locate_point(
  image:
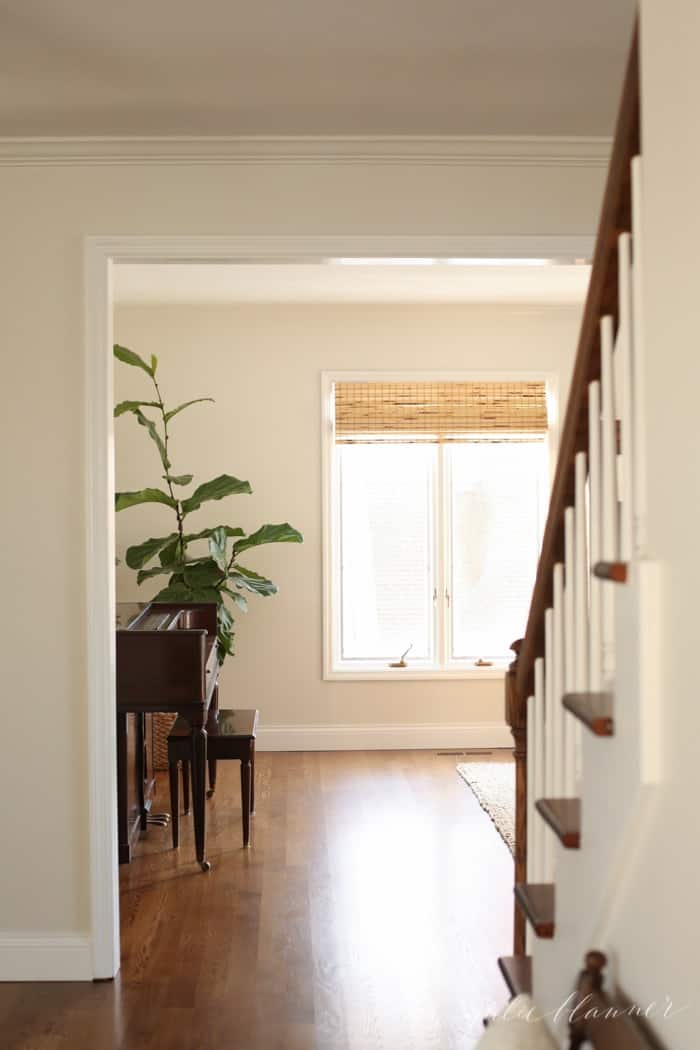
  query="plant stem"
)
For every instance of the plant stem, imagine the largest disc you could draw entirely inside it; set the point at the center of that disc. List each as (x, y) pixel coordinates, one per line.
(178, 511)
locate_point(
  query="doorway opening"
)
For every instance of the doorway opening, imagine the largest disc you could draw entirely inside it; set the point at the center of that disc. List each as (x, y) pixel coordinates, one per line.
(226, 263)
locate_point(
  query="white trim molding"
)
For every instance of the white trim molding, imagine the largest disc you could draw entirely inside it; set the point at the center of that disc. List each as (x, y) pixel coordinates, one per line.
(460, 150)
(100, 607)
(384, 737)
(100, 255)
(45, 957)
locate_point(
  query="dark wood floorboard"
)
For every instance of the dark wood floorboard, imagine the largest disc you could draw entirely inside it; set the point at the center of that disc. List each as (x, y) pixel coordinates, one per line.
(367, 915)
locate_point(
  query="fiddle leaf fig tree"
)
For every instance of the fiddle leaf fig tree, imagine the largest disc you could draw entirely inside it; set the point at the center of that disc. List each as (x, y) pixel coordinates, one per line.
(212, 572)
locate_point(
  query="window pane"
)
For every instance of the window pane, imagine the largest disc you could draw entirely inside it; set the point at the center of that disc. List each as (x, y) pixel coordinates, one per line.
(386, 546)
(495, 499)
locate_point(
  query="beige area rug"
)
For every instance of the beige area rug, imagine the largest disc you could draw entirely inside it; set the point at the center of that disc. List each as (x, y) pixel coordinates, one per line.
(493, 783)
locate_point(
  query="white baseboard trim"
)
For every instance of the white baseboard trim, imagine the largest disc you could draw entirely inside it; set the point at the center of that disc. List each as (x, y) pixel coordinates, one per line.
(48, 957)
(383, 737)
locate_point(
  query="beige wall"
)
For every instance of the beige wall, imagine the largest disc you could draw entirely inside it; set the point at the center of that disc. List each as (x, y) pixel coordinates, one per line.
(47, 211)
(263, 364)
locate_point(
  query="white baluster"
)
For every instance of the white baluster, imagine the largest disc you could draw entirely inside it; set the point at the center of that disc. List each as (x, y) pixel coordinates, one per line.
(582, 573)
(569, 585)
(595, 636)
(558, 662)
(570, 762)
(623, 352)
(533, 820)
(544, 856)
(550, 749)
(639, 393)
(609, 545)
(581, 616)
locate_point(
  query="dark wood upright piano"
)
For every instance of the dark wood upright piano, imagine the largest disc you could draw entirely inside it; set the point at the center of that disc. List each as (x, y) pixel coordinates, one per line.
(166, 661)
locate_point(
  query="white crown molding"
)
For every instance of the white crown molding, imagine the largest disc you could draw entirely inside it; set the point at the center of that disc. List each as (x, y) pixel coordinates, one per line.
(44, 957)
(466, 151)
(383, 737)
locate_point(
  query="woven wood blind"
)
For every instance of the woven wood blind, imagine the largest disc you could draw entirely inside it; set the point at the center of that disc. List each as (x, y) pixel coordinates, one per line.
(366, 413)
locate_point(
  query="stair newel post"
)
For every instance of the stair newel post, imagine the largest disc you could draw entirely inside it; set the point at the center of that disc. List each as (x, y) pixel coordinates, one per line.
(516, 716)
(588, 989)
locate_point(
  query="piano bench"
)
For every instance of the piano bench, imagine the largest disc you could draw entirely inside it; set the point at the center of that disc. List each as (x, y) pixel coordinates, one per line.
(230, 735)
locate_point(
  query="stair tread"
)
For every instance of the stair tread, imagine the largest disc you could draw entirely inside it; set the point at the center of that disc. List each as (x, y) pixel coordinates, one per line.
(564, 817)
(536, 901)
(611, 570)
(593, 709)
(517, 973)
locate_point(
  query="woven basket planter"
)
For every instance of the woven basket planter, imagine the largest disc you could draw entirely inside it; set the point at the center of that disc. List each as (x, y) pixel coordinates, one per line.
(163, 722)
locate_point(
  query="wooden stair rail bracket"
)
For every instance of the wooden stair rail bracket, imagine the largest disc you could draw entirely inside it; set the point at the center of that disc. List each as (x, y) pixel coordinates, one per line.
(516, 716)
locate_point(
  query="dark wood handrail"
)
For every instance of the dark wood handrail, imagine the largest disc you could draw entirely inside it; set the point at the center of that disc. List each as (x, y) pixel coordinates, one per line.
(601, 301)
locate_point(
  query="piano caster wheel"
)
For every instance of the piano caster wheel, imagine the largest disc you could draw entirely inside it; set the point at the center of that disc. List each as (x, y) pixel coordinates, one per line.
(205, 865)
(210, 793)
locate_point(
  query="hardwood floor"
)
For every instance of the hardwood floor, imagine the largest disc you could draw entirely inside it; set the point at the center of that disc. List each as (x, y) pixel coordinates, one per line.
(367, 915)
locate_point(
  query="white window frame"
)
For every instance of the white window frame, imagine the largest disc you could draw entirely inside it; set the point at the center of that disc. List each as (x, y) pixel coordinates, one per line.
(371, 671)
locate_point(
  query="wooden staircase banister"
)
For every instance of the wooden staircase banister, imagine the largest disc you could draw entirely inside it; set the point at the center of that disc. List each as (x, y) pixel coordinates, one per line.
(601, 301)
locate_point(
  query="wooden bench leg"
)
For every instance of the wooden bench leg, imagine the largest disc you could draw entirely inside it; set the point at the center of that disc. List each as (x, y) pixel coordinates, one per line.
(252, 778)
(174, 803)
(245, 798)
(185, 786)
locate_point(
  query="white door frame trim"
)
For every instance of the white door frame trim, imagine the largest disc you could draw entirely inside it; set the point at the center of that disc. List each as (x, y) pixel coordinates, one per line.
(100, 253)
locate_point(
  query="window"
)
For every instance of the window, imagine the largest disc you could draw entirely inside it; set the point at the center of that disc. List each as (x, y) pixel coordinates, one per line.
(435, 513)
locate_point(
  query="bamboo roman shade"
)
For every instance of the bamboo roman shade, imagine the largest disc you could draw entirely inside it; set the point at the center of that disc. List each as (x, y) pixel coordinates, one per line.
(438, 412)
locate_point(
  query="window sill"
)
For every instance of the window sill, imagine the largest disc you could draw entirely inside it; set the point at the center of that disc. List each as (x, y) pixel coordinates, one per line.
(414, 674)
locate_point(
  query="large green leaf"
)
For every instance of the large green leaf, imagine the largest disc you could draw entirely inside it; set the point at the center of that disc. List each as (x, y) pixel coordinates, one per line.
(178, 479)
(202, 573)
(153, 431)
(205, 594)
(217, 547)
(170, 553)
(158, 570)
(131, 358)
(123, 500)
(178, 591)
(186, 570)
(284, 533)
(174, 411)
(225, 644)
(251, 581)
(205, 533)
(217, 488)
(132, 406)
(139, 554)
(239, 599)
(194, 573)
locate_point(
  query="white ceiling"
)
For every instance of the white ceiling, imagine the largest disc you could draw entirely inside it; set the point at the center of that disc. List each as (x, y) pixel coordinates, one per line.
(312, 67)
(559, 285)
